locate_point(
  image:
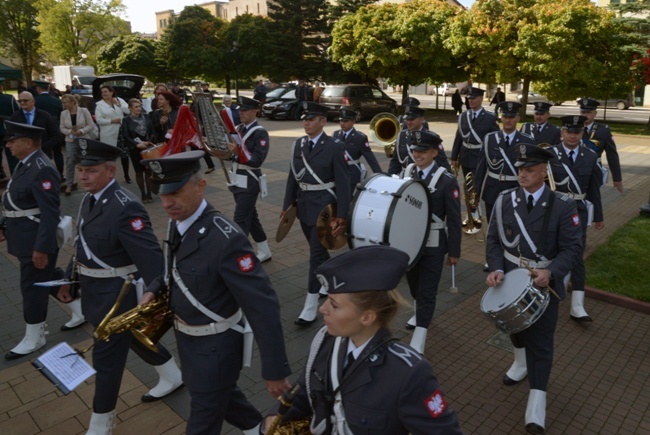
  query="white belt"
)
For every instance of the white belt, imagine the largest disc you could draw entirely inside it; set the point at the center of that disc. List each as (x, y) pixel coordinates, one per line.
(209, 329)
(472, 146)
(576, 196)
(324, 186)
(240, 166)
(21, 213)
(353, 162)
(503, 177)
(113, 272)
(521, 262)
(437, 226)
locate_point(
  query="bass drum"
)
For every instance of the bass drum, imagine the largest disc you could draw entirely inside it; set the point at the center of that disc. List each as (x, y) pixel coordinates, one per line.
(391, 211)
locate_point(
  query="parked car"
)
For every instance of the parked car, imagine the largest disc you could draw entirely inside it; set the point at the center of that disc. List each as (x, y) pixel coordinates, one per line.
(366, 100)
(446, 89)
(534, 97)
(281, 108)
(615, 103)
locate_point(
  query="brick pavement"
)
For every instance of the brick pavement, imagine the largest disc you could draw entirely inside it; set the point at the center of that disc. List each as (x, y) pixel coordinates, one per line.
(598, 384)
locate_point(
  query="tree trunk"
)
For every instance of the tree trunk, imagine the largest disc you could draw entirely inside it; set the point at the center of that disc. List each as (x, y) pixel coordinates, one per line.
(524, 98)
(227, 84)
(405, 92)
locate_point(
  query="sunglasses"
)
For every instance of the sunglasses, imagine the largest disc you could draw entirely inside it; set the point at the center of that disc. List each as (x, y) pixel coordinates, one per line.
(23, 101)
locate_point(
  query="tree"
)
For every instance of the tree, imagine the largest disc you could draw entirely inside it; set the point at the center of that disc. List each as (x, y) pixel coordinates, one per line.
(18, 33)
(70, 28)
(403, 43)
(189, 47)
(132, 54)
(299, 38)
(341, 8)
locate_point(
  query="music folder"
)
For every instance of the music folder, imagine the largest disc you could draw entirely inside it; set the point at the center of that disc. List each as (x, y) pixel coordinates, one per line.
(65, 367)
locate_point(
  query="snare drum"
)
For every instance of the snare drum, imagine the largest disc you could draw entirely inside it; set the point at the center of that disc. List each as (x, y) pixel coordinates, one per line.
(153, 152)
(391, 211)
(516, 304)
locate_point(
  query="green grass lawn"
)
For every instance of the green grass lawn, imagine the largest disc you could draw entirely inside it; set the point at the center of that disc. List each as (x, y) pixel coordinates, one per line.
(621, 264)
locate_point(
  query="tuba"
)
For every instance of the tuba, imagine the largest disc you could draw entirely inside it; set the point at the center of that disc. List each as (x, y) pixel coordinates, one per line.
(384, 129)
(148, 323)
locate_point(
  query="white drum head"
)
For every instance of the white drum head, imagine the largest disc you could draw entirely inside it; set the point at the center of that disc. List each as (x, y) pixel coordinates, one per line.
(513, 286)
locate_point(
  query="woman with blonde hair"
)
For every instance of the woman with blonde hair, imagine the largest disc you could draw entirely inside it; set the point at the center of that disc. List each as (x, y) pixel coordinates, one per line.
(76, 121)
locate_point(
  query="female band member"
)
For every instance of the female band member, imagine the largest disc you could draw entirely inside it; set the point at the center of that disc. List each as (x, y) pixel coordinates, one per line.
(358, 379)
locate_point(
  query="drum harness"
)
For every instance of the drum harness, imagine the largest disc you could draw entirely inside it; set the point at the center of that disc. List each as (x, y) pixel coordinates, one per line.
(472, 132)
(499, 165)
(306, 186)
(575, 196)
(437, 224)
(249, 169)
(520, 261)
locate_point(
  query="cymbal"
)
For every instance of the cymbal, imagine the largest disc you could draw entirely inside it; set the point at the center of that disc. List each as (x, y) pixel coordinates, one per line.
(286, 223)
(324, 230)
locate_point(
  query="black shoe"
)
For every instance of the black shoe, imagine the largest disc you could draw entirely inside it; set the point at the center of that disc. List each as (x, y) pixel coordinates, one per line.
(70, 328)
(209, 171)
(303, 322)
(510, 382)
(410, 327)
(148, 398)
(9, 356)
(128, 181)
(583, 319)
(534, 428)
(486, 268)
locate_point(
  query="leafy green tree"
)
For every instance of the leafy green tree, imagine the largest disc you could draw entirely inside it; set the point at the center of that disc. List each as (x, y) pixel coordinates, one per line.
(131, 54)
(341, 8)
(18, 33)
(70, 28)
(299, 39)
(189, 47)
(403, 43)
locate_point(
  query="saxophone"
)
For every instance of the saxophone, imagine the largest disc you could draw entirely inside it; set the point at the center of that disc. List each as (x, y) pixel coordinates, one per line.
(148, 323)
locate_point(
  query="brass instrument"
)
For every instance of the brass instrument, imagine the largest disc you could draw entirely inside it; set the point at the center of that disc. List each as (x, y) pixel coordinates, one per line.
(148, 323)
(295, 427)
(549, 171)
(217, 135)
(471, 225)
(384, 130)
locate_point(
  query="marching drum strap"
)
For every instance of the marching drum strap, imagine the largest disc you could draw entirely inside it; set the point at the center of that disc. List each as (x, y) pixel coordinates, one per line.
(471, 131)
(311, 358)
(434, 179)
(522, 262)
(522, 227)
(351, 161)
(502, 234)
(340, 426)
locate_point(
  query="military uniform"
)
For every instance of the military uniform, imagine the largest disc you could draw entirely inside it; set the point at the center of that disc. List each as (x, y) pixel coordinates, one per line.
(8, 106)
(31, 215)
(553, 225)
(542, 134)
(328, 182)
(214, 274)
(599, 132)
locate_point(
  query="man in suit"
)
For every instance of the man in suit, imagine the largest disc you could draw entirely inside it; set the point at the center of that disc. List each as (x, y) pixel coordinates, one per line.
(247, 180)
(424, 277)
(215, 280)
(319, 176)
(8, 106)
(534, 227)
(473, 126)
(52, 105)
(576, 173)
(302, 95)
(495, 171)
(356, 145)
(499, 97)
(30, 114)
(600, 133)
(30, 219)
(541, 129)
(115, 239)
(403, 156)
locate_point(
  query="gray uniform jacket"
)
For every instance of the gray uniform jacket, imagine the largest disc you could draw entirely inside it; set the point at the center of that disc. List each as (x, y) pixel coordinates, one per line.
(561, 242)
(117, 231)
(356, 144)
(586, 172)
(258, 147)
(488, 186)
(33, 185)
(401, 157)
(550, 133)
(218, 265)
(389, 389)
(485, 123)
(604, 135)
(327, 160)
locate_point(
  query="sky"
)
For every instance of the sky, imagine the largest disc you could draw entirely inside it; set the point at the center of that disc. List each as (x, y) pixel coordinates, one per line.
(142, 15)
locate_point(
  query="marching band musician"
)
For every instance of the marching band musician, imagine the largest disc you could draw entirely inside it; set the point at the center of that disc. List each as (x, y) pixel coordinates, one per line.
(413, 102)
(356, 145)
(534, 227)
(319, 177)
(495, 171)
(541, 129)
(214, 279)
(414, 119)
(598, 132)
(576, 173)
(358, 379)
(29, 220)
(114, 239)
(249, 182)
(444, 233)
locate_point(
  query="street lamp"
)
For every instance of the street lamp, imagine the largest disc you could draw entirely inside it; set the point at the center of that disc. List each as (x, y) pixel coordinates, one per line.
(84, 56)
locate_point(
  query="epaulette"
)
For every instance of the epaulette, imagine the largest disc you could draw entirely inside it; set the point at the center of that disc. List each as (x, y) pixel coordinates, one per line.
(449, 174)
(40, 163)
(406, 353)
(224, 226)
(122, 197)
(562, 196)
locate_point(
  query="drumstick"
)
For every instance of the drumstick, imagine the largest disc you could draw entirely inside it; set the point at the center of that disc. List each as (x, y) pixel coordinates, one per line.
(453, 288)
(534, 275)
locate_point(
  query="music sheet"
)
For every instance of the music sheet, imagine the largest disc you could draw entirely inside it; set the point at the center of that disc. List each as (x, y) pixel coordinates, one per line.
(66, 368)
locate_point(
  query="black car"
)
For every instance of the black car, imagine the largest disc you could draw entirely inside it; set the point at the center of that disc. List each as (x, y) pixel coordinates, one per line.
(279, 92)
(366, 100)
(281, 108)
(126, 86)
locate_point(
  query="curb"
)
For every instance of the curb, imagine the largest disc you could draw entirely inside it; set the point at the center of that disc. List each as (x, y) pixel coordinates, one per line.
(618, 300)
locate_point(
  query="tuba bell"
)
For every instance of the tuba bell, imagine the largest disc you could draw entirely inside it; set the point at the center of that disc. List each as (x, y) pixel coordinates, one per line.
(384, 129)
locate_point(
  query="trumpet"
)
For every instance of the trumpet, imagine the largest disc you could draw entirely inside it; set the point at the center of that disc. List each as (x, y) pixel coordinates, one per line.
(473, 224)
(384, 130)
